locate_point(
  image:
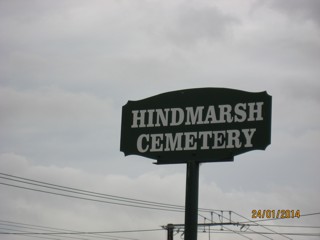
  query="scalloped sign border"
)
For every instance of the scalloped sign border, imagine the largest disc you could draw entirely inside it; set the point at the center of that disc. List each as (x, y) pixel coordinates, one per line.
(203, 125)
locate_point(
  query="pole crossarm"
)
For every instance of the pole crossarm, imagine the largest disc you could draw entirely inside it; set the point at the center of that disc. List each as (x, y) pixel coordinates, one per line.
(202, 225)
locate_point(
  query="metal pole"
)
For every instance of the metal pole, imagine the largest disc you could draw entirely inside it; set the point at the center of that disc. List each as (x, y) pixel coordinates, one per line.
(192, 191)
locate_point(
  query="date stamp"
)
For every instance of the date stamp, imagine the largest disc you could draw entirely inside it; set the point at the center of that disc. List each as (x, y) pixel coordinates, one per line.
(269, 214)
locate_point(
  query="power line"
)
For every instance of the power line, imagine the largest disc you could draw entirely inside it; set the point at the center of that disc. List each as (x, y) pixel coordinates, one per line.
(80, 191)
(50, 229)
(65, 233)
(269, 233)
(23, 234)
(309, 214)
(225, 226)
(236, 224)
(89, 199)
(268, 227)
(265, 227)
(117, 200)
(81, 233)
(123, 201)
(120, 200)
(273, 219)
(281, 226)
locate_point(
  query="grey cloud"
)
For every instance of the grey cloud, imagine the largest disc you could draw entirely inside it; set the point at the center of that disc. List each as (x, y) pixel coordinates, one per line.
(304, 91)
(67, 121)
(297, 9)
(67, 67)
(205, 23)
(22, 11)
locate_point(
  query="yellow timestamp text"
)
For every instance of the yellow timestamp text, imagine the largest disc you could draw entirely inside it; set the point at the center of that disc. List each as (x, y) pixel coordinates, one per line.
(268, 213)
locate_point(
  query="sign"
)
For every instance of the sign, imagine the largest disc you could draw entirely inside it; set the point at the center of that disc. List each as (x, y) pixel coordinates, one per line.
(203, 125)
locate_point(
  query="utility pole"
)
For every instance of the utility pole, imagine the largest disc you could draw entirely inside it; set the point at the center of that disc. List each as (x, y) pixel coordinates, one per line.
(169, 229)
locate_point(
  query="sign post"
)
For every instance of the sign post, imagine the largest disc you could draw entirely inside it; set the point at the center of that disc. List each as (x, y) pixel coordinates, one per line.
(194, 126)
(191, 201)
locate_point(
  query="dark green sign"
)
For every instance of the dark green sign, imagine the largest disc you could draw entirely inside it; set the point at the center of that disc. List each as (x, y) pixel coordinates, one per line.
(203, 125)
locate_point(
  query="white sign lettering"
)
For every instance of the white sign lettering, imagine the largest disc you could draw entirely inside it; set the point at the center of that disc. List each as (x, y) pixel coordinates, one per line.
(184, 141)
(241, 112)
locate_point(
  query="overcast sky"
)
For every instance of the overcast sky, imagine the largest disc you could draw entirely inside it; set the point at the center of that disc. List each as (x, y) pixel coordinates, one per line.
(67, 67)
